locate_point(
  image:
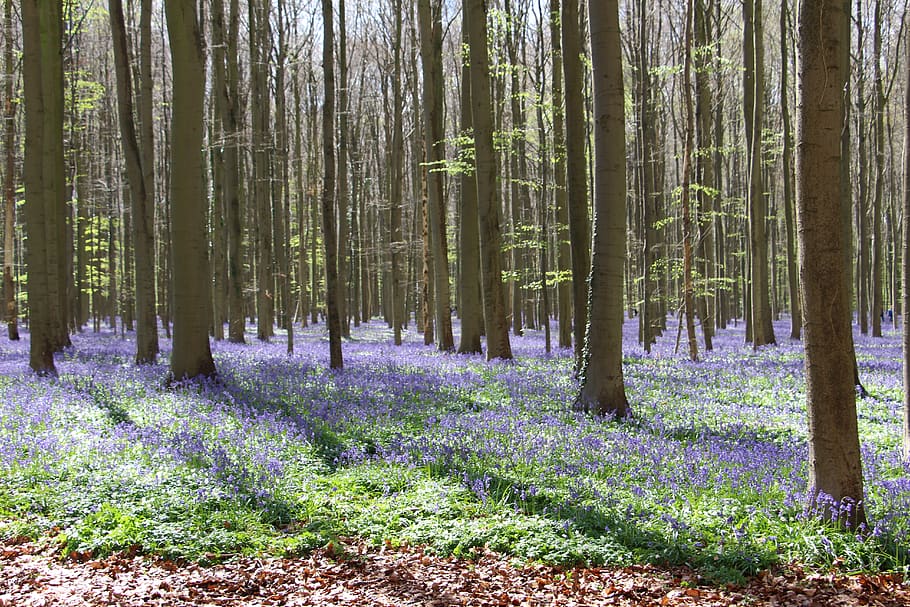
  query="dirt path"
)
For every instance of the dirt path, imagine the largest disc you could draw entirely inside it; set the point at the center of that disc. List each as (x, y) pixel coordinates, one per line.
(32, 575)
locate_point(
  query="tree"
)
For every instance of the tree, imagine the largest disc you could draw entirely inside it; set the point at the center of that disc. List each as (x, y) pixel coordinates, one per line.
(835, 469)
(762, 329)
(430, 17)
(787, 159)
(688, 287)
(494, 307)
(192, 355)
(10, 312)
(563, 252)
(602, 388)
(226, 85)
(142, 204)
(42, 37)
(469, 236)
(577, 181)
(396, 243)
(905, 260)
(330, 238)
(260, 46)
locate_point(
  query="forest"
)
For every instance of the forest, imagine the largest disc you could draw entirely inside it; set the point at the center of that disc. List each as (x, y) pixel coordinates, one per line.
(455, 302)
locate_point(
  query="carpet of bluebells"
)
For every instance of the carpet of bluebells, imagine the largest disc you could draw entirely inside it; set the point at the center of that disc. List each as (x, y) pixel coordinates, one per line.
(409, 446)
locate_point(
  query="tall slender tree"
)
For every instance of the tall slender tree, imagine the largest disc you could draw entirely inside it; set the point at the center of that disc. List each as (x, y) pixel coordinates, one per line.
(905, 256)
(430, 17)
(577, 180)
(10, 311)
(469, 236)
(192, 354)
(602, 387)
(141, 204)
(330, 237)
(835, 469)
(494, 305)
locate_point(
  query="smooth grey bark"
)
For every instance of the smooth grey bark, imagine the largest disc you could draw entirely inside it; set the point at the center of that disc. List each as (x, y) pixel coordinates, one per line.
(602, 387)
(835, 467)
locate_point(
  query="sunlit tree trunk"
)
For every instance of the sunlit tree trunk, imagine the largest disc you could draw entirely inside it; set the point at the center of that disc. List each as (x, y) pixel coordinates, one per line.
(192, 355)
(704, 169)
(494, 306)
(835, 469)
(602, 387)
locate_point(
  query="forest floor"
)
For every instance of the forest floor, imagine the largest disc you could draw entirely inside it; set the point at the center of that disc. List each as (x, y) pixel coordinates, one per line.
(33, 575)
(418, 478)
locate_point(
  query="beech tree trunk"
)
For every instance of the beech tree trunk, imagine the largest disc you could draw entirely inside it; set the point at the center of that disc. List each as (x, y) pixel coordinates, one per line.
(430, 16)
(192, 355)
(10, 311)
(142, 219)
(494, 306)
(905, 260)
(40, 29)
(579, 230)
(835, 469)
(602, 387)
(471, 311)
(787, 159)
(330, 238)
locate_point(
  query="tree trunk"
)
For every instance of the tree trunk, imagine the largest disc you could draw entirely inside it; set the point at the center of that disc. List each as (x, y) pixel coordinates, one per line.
(330, 238)
(494, 308)
(905, 260)
(688, 286)
(787, 159)
(430, 16)
(563, 251)
(762, 328)
(260, 45)
(704, 168)
(343, 203)
(40, 28)
(835, 469)
(471, 311)
(579, 231)
(142, 205)
(192, 355)
(10, 310)
(875, 280)
(396, 243)
(602, 387)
